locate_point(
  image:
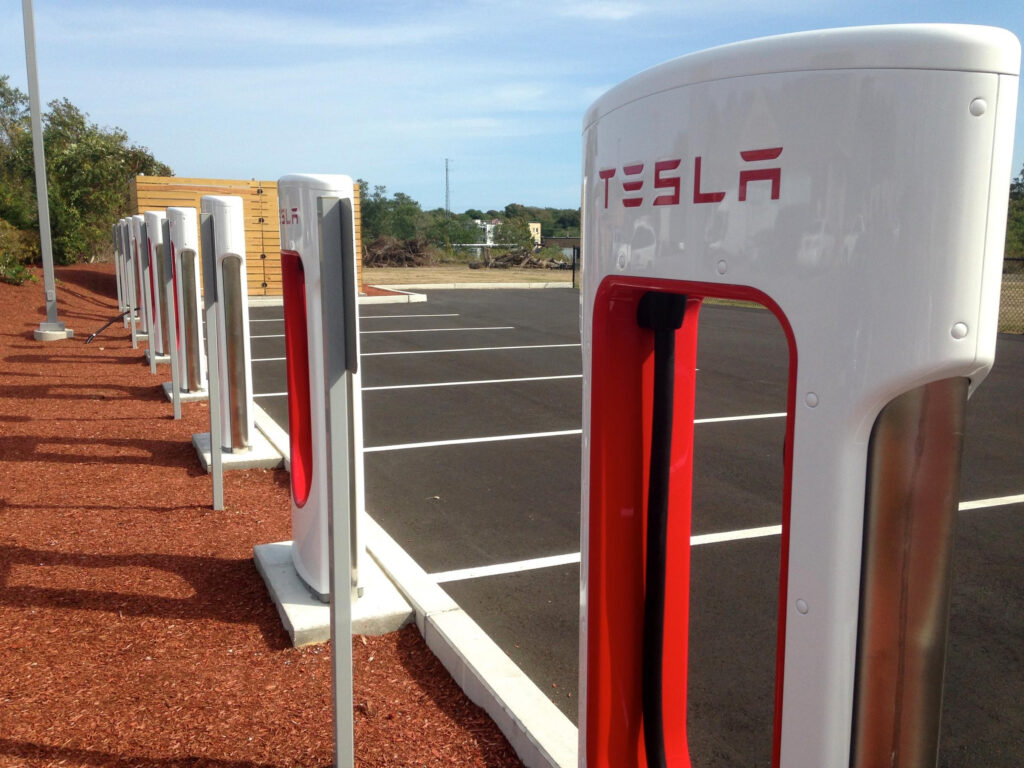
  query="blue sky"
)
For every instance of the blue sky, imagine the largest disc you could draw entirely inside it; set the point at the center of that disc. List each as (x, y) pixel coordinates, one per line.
(387, 90)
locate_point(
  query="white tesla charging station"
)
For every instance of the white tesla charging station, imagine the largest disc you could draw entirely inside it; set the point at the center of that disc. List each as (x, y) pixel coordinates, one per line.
(137, 228)
(304, 293)
(234, 359)
(184, 245)
(855, 183)
(154, 244)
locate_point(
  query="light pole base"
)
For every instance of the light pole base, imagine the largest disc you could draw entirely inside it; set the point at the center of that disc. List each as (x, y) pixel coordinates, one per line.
(52, 332)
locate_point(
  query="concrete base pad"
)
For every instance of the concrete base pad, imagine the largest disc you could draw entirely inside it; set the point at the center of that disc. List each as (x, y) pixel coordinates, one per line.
(160, 359)
(380, 610)
(262, 455)
(41, 335)
(186, 397)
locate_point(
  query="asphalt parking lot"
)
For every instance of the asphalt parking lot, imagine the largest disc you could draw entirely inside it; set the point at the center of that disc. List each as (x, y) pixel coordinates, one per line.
(472, 412)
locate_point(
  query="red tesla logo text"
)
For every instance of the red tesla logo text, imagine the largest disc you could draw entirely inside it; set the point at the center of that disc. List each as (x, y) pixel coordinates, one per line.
(670, 185)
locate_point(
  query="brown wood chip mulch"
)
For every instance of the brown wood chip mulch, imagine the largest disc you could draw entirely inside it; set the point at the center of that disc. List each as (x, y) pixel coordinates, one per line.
(134, 628)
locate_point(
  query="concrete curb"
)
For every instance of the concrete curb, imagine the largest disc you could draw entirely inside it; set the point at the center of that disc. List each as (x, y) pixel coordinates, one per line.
(276, 436)
(538, 731)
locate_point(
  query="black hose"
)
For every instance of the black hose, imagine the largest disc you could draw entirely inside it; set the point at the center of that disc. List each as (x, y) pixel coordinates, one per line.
(663, 314)
(109, 323)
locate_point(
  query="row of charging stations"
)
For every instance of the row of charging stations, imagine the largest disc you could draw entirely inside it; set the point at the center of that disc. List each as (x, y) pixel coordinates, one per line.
(854, 182)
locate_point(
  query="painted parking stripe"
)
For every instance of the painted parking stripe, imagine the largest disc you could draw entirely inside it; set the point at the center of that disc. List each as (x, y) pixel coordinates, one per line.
(271, 394)
(1000, 501)
(465, 349)
(470, 440)
(553, 561)
(381, 317)
(749, 417)
(572, 558)
(502, 568)
(440, 330)
(267, 359)
(442, 351)
(412, 330)
(475, 381)
(533, 435)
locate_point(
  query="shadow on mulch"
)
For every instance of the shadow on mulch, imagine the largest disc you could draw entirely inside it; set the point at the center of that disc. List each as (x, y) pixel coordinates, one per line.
(72, 359)
(84, 450)
(228, 591)
(50, 755)
(124, 391)
(98, 283)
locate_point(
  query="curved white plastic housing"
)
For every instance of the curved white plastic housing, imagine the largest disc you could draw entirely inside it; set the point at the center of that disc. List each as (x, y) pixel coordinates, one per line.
(183, 226)
(300, 236)
(154, 245)
(857, 178)
(232, 321)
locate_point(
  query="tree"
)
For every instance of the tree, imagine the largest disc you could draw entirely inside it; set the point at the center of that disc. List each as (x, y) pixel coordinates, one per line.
(515, 234)
(1014, 250)
(88, 169)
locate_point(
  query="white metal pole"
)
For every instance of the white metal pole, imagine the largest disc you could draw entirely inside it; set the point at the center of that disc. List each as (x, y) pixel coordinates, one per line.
(52, 329)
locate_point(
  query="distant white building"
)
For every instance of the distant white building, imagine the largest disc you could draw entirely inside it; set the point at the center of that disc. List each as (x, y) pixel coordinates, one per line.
(488, 228)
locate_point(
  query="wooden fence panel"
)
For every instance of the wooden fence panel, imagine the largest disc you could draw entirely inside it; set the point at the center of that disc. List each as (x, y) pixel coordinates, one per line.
(259, 202)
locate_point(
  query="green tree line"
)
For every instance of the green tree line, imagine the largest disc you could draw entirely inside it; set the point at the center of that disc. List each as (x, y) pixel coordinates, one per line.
(399, 216)
(87, 170)
(1014, 253)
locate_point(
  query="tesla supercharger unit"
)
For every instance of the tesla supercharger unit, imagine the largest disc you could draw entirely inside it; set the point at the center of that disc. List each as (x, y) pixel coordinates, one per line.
(130, 282)
(855, 183)
(155, 249)
(234, 360)
(184, 244)
(304, 294)
(137, 228)
(119, 271)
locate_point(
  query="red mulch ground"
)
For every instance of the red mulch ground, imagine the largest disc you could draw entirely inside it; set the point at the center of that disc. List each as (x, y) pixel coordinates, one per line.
(134, 628)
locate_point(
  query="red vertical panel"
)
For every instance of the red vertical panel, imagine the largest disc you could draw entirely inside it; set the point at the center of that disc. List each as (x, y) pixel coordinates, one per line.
(296, 342)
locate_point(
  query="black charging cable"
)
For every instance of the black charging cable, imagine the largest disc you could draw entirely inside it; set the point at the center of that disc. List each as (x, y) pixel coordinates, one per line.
(661, 313)
(110, 323)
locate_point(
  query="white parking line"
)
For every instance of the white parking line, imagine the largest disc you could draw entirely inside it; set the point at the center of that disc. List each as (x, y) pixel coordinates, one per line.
(465, 349)
(412, 330)
(271, 394)
(749, 417)
(380, 317)
(531, 435)
(267, 359)
(476, 381)
(470, 440)
(999, 501)
(552, 561)
(361, 317)
(438, 330)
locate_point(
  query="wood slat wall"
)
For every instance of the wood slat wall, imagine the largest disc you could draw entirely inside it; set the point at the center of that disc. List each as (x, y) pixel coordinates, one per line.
(259, 202)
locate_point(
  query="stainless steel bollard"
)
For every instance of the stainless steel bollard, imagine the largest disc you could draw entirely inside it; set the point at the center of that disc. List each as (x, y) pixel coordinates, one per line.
(912, 498)
(193, 329)
(235, 342)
